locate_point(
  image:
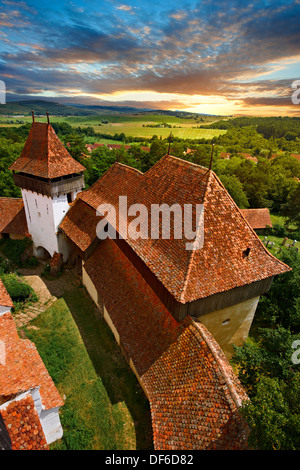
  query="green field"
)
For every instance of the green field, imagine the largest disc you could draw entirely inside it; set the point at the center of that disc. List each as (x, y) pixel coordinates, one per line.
(104, 406)
(130, 125)
(277, 219)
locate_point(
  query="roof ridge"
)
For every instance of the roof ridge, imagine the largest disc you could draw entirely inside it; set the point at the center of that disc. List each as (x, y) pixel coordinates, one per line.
(190, 262)
(128, 167)
(210, 342)
(252, 230)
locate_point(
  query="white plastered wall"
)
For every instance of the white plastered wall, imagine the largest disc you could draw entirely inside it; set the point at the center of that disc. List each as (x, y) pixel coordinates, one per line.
(230, 325)
(44, 215)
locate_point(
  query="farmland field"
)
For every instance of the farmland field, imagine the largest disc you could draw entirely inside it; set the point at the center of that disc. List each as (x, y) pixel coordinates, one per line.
(130, 125)
(137, 129)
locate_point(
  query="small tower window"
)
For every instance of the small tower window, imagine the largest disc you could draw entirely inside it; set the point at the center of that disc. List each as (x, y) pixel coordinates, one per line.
(69, 196)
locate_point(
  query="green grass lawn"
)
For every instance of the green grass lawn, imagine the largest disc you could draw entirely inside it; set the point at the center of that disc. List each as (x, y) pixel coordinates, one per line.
(277, 219)
(105, 408)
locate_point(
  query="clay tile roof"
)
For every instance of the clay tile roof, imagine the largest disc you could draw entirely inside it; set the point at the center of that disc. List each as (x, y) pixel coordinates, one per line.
(23, 425)
(5, 300)
(225, 155)
(12, 216)
(194, 395)
(221, 264)
(118, 146)
(23, 368)
(44, 155)
(257, 218)
(79, 224)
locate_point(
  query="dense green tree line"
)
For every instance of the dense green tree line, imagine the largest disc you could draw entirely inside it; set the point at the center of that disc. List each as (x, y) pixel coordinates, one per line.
(275, 127)
(271, 182)
(269, 364)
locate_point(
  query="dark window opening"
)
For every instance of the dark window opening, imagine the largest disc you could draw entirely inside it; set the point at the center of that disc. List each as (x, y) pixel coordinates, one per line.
(246, 253)
(69, 196)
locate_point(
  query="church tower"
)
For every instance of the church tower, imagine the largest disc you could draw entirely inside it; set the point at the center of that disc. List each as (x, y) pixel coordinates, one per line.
(49, 179)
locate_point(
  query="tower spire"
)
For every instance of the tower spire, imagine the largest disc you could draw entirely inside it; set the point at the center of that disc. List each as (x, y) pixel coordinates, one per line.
(32, 114)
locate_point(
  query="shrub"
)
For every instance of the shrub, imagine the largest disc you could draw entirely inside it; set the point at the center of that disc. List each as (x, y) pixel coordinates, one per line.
(279, 231)
(18, 290)
(14, 249)
(5, 265)
(32, 261)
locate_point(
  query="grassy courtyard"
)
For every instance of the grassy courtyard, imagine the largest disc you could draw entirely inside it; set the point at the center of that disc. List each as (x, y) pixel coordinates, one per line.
(105, 408)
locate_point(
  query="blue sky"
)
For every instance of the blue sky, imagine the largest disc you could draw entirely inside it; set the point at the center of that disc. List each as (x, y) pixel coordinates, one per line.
(226, 57)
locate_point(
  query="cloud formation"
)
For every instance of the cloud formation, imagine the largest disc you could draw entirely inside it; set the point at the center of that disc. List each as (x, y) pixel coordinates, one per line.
(246, 54)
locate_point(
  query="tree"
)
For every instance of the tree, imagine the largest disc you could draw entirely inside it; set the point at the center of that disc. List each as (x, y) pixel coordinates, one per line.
(265, 365)
(291, 209)
(75, 145)
(235, 189)
(274, 415)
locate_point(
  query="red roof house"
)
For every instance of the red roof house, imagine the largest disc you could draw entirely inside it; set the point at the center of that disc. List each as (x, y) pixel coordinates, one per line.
(157, 296)
(29, 400)
(12, 217)
(257, 218)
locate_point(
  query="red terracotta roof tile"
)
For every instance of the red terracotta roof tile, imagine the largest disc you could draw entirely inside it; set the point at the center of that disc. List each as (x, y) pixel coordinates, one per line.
(257, 218)
(132, 304)
(5, 300)
(44, 155)
(12, 216)
(189, 275)
(225, 155)
(23, 368)
(79, 224)
(194, 395)
(23, 425)
(118, 146)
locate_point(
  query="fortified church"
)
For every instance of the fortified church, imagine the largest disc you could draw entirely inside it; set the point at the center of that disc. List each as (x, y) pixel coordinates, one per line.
(175, 313)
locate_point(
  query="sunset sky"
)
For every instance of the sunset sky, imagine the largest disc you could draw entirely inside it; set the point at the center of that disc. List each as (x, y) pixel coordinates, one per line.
(214, 57)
